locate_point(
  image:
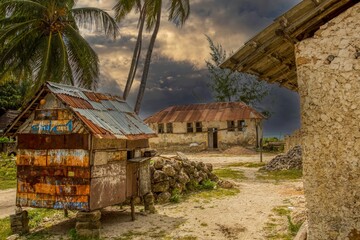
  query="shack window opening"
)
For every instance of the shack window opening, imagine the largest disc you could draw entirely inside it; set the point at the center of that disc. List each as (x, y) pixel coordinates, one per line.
(169, 128)
(189, 127)
(160, 128)
(198, 126)
(231, 126)
(130, 154)
(241, 125)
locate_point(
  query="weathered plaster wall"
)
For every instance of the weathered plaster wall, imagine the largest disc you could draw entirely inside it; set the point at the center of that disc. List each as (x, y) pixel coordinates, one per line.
(180, 139)
(292, 140)
(330, 102)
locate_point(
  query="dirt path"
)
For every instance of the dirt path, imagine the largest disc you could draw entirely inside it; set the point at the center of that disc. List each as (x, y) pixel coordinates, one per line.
(7, 202)
(242, 216)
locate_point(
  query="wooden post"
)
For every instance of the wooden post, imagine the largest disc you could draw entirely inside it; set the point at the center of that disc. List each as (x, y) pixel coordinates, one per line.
(132, 209)
(261, 150)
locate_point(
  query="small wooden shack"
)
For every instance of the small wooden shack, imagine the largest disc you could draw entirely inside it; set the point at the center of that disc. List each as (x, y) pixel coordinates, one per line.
(79, 150)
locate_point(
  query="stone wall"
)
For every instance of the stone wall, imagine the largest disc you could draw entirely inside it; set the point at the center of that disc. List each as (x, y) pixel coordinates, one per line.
(180, 140)
(328, 67)
(292, 140)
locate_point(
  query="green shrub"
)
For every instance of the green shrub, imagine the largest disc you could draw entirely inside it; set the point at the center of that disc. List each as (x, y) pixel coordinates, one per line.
(192, 185)
(208, 185)
(175, 196)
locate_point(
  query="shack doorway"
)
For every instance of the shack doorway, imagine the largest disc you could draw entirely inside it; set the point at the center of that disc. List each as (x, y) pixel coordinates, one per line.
(212, 138)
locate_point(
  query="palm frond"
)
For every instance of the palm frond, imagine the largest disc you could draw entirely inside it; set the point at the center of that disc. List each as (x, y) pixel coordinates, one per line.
(124, 7)
(153, 8)
(82, 58)
(94, 17)
(179, 11)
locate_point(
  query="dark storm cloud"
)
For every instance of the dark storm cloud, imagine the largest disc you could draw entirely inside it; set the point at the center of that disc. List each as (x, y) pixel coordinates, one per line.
(178, 74)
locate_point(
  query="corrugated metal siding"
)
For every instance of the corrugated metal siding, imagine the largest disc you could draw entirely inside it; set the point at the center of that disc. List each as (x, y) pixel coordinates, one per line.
(227, 111)
(104, 115)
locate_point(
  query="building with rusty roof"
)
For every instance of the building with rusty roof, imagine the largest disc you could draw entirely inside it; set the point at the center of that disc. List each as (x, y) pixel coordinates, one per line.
(203, 126)
(76, 146)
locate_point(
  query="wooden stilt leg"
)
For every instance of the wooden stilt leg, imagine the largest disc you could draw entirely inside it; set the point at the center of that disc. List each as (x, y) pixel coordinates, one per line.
(132, 209)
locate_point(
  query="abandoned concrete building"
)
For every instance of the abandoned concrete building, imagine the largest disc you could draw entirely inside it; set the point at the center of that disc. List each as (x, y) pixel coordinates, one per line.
(206, 126)
(314, 49)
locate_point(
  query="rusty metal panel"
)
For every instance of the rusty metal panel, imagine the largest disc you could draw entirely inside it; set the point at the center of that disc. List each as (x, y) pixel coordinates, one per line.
(53, 187)
(45, 141)
(108, 185)
(53, 157)
(141, 143)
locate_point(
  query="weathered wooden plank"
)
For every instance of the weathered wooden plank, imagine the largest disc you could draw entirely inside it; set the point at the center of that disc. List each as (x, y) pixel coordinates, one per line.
(141, 143)
(103, 144)
(102, 157)
(108, 185)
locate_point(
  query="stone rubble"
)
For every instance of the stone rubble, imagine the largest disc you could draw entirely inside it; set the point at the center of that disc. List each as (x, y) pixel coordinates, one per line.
(177, 174)
(291, 160)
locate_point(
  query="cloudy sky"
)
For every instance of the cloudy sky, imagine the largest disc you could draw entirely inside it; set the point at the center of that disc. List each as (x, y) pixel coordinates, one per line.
(178, 74)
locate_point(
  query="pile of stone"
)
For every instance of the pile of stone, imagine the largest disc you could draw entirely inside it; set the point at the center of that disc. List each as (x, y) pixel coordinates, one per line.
(177, 174)
(88, 224)
(19, 222)
(291, 160)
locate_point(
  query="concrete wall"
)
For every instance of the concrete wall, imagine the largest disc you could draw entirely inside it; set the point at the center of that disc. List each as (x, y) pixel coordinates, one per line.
(292, 140)
(181, 140)
(330, 104)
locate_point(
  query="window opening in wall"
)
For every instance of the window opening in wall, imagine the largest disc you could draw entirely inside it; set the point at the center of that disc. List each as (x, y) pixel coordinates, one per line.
(198, 126)
(241, 125)
(130, 154)
(160, 128)
(231, 126)
(189, 127)
(169, 128)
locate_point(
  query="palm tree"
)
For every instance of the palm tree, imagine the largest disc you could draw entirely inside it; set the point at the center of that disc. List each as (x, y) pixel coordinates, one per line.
(150, 13)
(43, 36)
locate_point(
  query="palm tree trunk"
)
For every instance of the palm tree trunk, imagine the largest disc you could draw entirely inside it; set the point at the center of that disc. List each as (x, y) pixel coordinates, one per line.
(136, 55)
(144, 76)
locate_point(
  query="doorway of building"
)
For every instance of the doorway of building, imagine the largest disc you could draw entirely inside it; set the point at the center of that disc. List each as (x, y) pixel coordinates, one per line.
(212, 138)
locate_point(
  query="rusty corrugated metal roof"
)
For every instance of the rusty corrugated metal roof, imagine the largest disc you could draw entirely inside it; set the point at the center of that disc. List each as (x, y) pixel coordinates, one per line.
(207, 112)
(104, 115)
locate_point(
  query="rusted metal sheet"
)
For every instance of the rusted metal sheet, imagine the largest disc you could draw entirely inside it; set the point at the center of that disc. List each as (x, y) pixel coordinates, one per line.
(108, 185)
(229, 111)
(75, 101)
(53, 187)
(53, 157)
(141, 143)
(45, 141)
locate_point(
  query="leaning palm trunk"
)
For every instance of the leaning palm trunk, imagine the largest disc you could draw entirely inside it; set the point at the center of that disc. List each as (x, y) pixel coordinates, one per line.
(136, 55)
(144, 76)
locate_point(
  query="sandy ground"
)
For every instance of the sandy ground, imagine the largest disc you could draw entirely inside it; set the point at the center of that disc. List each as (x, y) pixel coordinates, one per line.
(7, 202)
(243, 216)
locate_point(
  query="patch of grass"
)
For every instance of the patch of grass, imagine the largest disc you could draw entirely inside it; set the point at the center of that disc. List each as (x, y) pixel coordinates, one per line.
(37, 216)
(129, 235)
(281, 211)
(207, 185)
(282, 175)
(229, 173)
(7, 173)
(189, 237)
(204, 224)
(216, 193)
(5, 229)
(247, 164)
(293, 227)
(175, 196)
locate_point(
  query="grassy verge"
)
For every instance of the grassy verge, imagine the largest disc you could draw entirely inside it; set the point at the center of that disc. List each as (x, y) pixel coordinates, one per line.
(7, 173)
(280, 175)
(37, 217)
(229, 173)
(274, 227)
(247, 164)
(216, 193)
